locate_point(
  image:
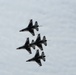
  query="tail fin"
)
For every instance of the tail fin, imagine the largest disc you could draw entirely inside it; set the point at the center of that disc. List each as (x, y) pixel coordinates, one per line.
(45, 41)
(36, 26)
(43, 56)
(33, 46)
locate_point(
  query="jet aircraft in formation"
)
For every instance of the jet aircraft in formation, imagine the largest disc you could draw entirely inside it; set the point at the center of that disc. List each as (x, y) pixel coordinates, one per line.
(38, 42)
(26, 46)
(37, 58)
(31, 27)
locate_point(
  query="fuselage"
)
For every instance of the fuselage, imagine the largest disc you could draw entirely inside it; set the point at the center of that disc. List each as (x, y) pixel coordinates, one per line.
(32, 27)
(40, 42)
(24, 47)
(29, 28)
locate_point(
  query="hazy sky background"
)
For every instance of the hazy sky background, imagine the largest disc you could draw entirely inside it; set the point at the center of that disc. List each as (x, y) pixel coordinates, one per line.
(58, 20)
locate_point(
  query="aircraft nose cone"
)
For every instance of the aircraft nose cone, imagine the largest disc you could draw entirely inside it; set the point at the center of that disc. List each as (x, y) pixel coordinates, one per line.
(17, 48)
(27, 61)
(20, 47)
(20, 30)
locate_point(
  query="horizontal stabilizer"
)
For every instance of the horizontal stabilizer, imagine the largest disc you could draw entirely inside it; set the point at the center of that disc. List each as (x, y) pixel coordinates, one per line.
(45, 41)
(36, 26)
(43, 56)
(33, 46)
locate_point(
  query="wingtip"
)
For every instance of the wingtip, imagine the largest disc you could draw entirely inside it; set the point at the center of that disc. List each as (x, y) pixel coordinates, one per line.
(30, 52)
(42, 49)
(40, 65)
(33, 34)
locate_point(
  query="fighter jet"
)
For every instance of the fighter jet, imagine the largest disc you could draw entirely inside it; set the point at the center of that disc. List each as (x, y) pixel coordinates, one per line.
(26, 46)
(37, 58)
(31, 27)
(39, 42)
(43, 41)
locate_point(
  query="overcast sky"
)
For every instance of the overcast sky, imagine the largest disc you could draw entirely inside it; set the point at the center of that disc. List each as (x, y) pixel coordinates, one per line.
(58, 20)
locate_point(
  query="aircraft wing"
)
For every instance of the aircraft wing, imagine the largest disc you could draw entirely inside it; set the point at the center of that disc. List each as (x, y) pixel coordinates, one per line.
(40, 46)
(27, 41)
(37, 53)
(30, 23)
(27, 44)
(29, 50)
(32, 32)
(38, 38)
(39, 62)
